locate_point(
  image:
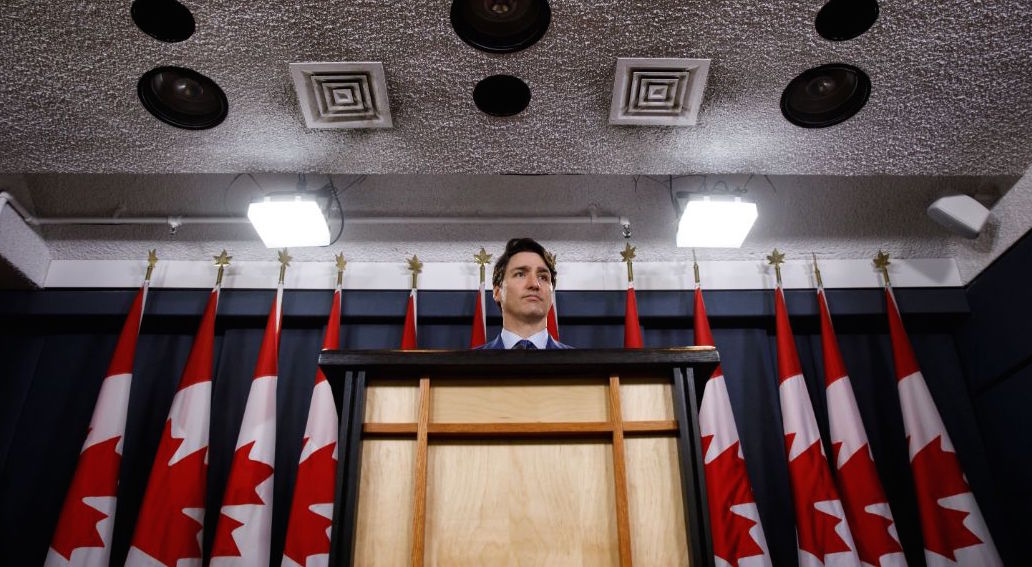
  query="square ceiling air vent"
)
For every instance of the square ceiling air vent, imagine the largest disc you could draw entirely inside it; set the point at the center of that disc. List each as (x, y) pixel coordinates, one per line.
(342, 95)
(658, 92)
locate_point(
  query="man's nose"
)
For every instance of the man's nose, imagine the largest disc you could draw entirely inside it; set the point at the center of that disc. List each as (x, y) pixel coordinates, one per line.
(533, 283)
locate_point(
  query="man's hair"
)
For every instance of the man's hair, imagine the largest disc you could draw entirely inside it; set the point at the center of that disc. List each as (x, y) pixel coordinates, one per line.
(515, 246)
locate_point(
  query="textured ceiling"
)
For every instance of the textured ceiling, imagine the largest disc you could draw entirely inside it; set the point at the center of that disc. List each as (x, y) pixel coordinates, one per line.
(951, 83)
(950, 112)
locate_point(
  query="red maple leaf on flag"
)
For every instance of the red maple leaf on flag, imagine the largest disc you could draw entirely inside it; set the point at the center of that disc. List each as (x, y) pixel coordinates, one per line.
(937, 474)
(245, 476)
(815, 527)
(315, 484)
(727, 488)
(171, 489)
(95, 475)
(861, 489)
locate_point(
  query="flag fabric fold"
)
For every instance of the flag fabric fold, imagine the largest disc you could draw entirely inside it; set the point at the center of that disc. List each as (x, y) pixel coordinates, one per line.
(479, 334)
(171, 520)
(408, 338)
(632, 328)
(311, 511)
(863, 498)
(552, 322)
(738, 537)
(85, 526)
(822, 535)
(951, 522)
(243, 531)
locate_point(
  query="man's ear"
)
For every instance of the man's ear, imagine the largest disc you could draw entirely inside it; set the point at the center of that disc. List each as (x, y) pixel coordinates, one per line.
(496, 294)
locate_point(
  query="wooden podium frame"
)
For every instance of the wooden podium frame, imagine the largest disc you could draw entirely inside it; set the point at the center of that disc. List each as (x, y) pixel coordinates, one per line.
(351, 374)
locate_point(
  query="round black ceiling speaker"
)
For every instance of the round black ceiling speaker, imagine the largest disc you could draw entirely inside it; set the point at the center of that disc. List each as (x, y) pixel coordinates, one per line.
(182, 97)
(500, 26)
(501, 95)
(825, 95)
(164, 20)
(840, 20)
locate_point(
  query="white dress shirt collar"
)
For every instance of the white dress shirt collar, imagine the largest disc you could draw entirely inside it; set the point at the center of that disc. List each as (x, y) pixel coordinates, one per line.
(540, 339)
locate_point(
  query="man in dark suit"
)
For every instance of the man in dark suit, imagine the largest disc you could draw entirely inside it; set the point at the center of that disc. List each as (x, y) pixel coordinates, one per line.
(523, 280)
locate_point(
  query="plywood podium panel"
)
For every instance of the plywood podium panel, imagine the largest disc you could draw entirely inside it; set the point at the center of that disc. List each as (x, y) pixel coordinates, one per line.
(526, 467)
(520, 503)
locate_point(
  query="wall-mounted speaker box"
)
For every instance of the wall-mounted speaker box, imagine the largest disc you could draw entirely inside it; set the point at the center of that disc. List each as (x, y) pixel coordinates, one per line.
(959, 214)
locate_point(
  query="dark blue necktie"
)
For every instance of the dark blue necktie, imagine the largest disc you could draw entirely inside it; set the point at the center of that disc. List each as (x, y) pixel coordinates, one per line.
(524, 345)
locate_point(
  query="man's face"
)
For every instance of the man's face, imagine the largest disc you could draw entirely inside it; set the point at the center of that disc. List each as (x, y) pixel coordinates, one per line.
(526, 290)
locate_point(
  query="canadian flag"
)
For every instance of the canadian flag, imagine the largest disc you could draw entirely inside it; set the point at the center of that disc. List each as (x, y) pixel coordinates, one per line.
(311, 514)
(408, 338)
(479, 335)
(84, 529)
(951, 522)
(553, 320)
(738, 538)
(867, 508)
(244, 529)
(822, 534)
(632, 329)
(171, 520)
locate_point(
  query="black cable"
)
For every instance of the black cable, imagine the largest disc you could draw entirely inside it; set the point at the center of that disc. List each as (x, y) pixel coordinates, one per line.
(340, 209)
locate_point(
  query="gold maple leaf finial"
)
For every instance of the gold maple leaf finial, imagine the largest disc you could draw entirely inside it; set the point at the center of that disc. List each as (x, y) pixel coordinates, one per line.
(222, 260)
(341, 264)
(775, 259)
(628, 256)
(695, 268)
(416, 267)
(284, 260)
(881, 262)
(482, 258)
(152, 259)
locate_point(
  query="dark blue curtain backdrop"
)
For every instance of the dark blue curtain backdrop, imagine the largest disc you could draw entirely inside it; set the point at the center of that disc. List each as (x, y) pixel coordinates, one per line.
(55, 347)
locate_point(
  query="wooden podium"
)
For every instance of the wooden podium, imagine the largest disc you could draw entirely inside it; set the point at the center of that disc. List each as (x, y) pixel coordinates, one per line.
(492, 457)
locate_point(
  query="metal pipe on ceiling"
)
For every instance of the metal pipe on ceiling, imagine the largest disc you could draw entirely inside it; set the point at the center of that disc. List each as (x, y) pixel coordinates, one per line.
(177, 221)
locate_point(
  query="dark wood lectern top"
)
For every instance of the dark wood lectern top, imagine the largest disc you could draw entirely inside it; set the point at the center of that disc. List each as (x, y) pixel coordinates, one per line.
(456, 363)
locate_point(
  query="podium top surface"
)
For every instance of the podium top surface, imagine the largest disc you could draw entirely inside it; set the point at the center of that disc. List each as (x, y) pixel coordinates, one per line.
(335, 363)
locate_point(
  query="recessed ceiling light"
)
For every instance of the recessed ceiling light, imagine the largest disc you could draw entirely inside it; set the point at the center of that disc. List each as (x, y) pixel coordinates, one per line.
(289, 220)
(715, 222)
(164, 20)
(825, 95)
(501, 95)
(500, 26)
(182, 97)
(840, 20)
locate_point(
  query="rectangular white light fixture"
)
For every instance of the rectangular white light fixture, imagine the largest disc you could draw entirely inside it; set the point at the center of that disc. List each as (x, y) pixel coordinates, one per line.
(714, 222)
(289, 221)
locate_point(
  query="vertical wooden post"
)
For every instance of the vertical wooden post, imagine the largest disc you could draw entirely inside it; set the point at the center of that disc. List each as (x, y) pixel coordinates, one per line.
(623, 522)
(419, 502)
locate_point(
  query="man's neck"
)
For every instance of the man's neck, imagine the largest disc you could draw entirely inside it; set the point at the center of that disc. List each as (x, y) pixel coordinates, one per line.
(522, 329)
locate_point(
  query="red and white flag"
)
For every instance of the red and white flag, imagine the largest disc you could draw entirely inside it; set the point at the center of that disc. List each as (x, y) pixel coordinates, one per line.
(632, 329)
(311, 513)
(479, 335)
(408, 338)
(84, 529)
(867, 508)
(822, 534)
(951, 522)
(738, 538)
(171, 520)
(243, 532)
(553, 320)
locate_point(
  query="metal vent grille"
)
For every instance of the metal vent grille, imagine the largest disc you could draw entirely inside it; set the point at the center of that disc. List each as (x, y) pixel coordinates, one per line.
(658, 92)
(342, 95)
